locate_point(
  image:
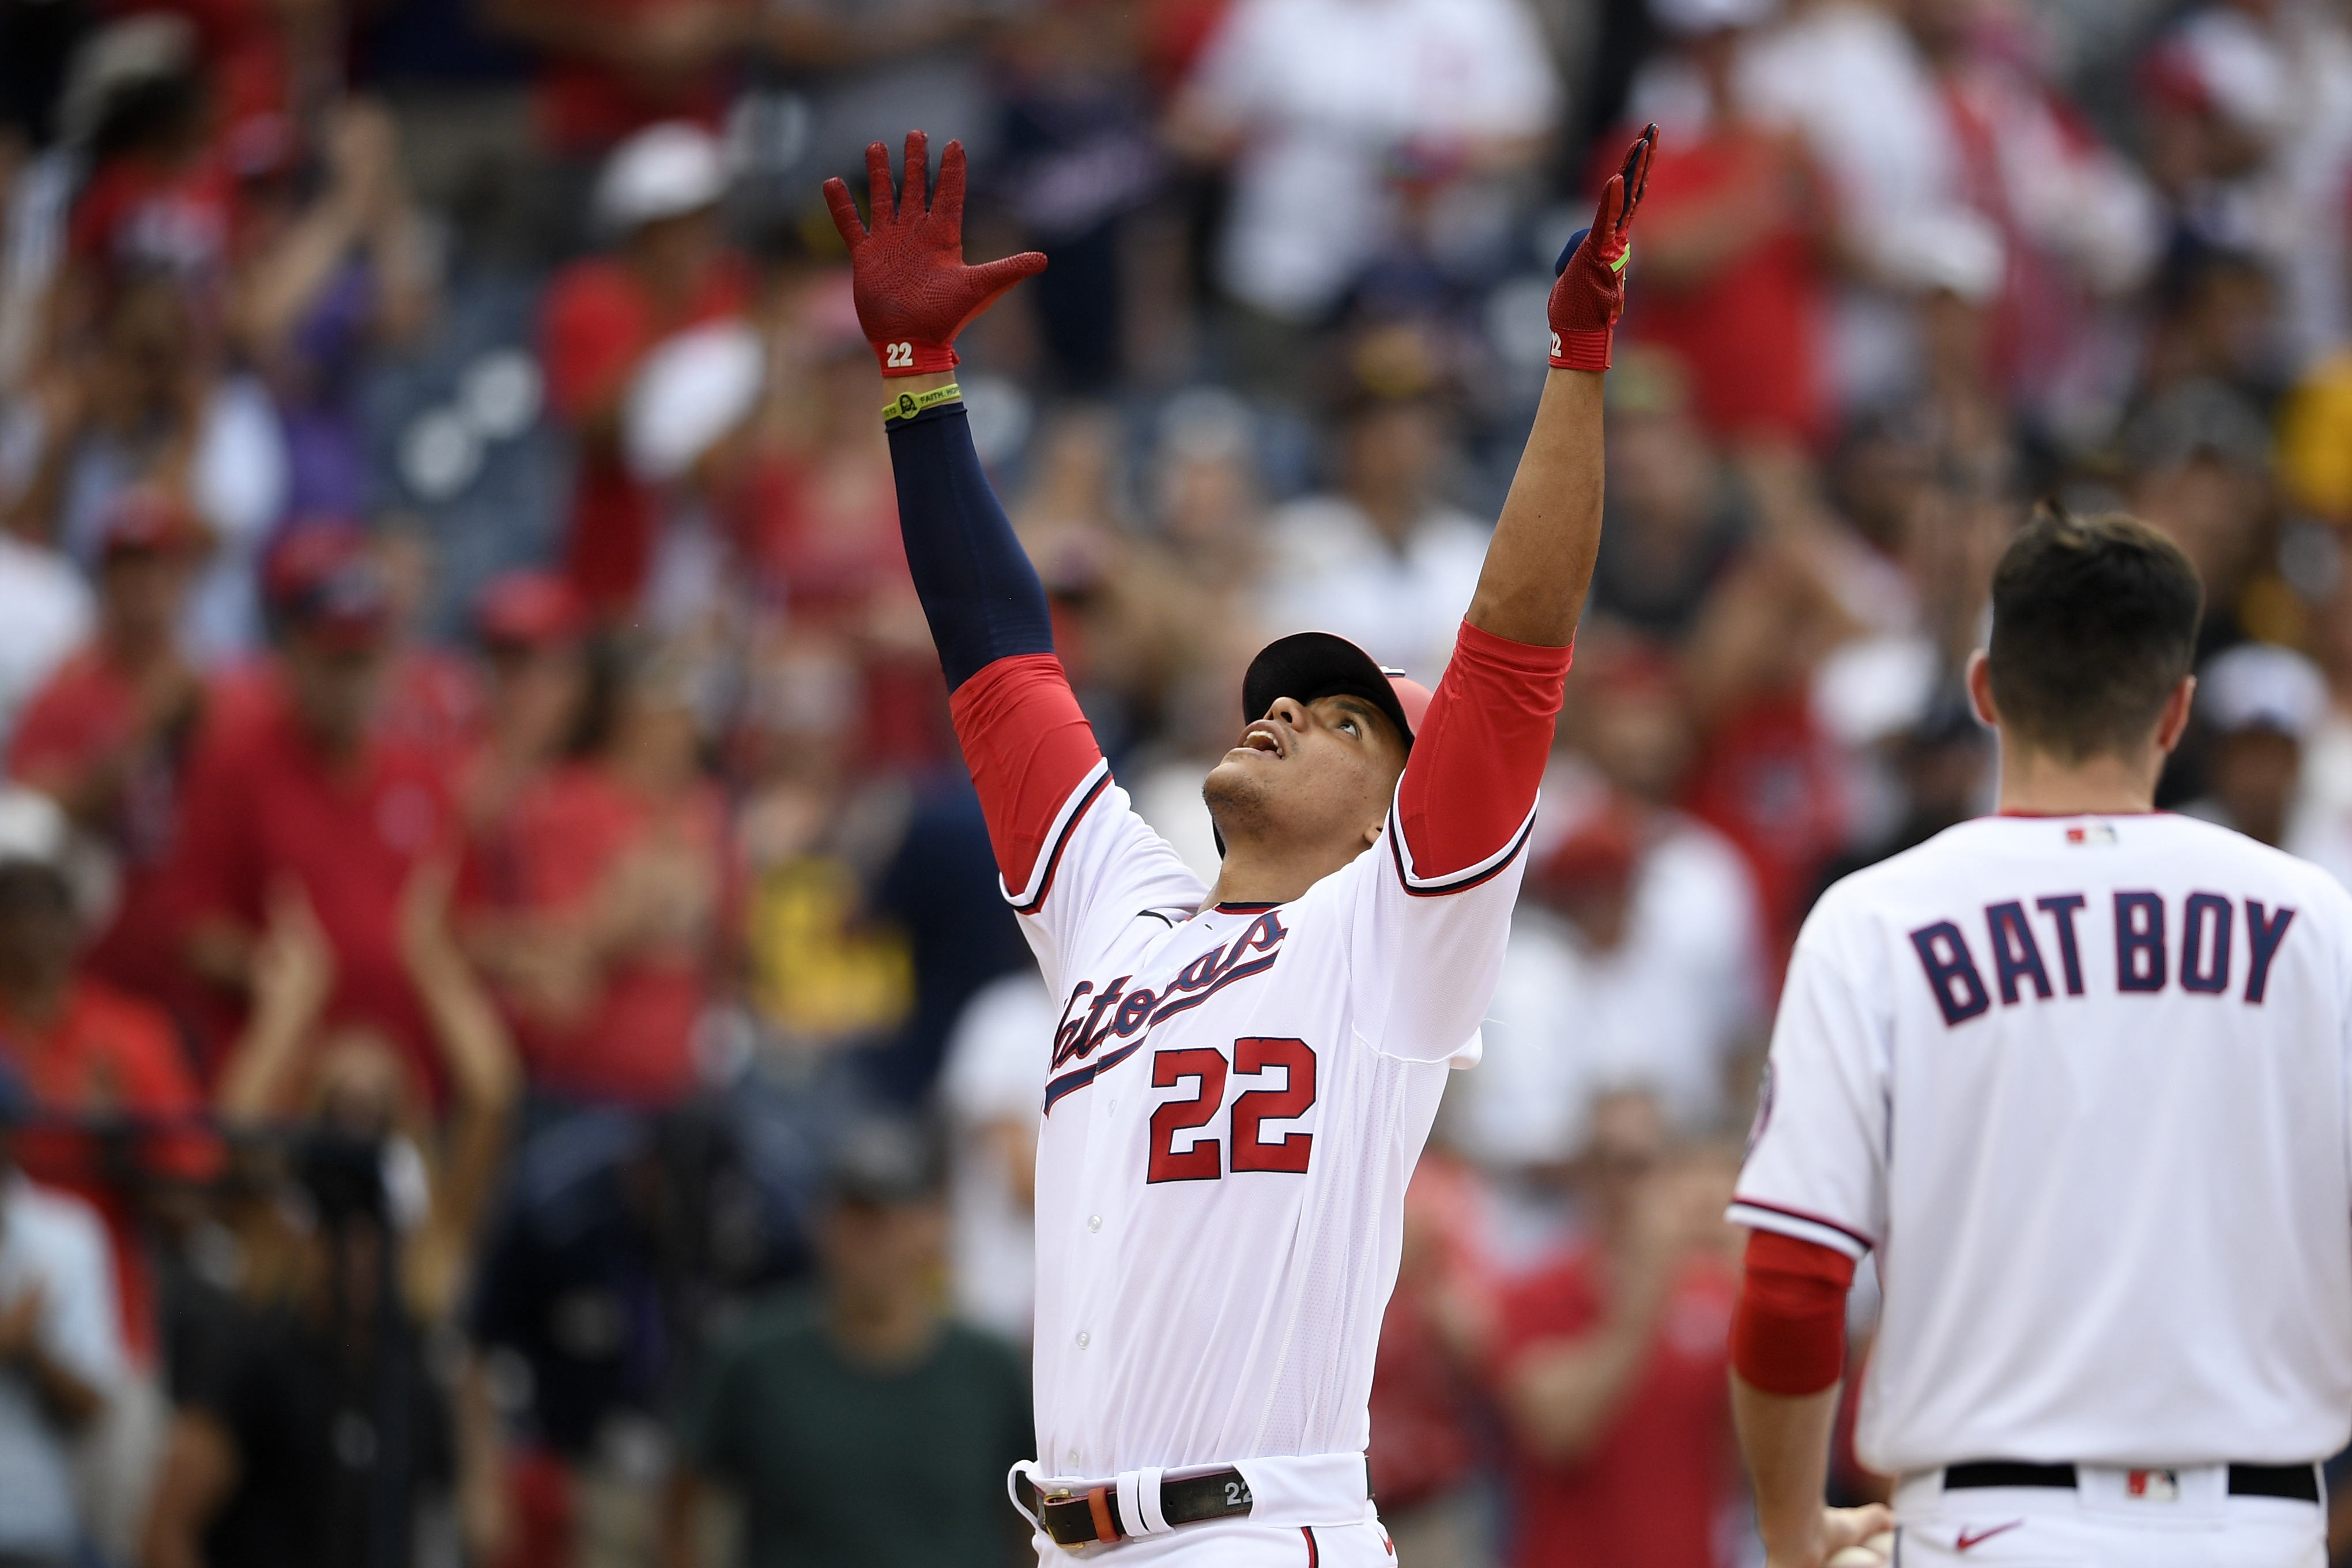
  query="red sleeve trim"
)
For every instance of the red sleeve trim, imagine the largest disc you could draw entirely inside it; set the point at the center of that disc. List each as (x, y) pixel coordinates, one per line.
(1467, 798)
(1788, 1332)
(1034, 761)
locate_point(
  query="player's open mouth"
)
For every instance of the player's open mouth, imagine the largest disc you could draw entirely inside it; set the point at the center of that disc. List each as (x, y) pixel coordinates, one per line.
(1264, 736)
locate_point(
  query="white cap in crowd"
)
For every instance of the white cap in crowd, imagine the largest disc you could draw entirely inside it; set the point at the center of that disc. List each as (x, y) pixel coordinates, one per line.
(693, 389)
(1949, 249)
(2259, 686)
(664, 171)
(32, 828)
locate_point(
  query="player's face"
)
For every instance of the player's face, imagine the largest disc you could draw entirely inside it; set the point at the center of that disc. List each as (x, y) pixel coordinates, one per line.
(1320, 772)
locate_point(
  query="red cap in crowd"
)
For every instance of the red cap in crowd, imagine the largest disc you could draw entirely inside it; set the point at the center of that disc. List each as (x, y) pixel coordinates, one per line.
(530, 610)
(1598, 856)
(322, 578)
(145, 520)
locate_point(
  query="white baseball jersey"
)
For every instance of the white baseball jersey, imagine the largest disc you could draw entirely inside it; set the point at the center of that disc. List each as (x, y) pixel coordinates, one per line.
(1237, 1094)
(2082, 1084)
(1235, 1103)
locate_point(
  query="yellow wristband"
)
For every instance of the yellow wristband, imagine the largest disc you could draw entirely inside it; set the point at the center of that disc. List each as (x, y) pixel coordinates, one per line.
(907, 405)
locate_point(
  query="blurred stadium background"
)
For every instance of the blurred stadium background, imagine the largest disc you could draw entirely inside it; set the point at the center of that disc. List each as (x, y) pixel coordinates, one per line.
(509, 1049)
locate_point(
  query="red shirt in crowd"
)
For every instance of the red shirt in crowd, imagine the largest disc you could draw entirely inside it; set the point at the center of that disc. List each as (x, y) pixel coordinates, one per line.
(1751, 331)
(1425, 1407)
(630, 1041)
(597, 323)
(272, 809)
(1650, 1488)
(1768, 778)
(81, 718)
(832, 554)
(107, 1055)
(433, 702)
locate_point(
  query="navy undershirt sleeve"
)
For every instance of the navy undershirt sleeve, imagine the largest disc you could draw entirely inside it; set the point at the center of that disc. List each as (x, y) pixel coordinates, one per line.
(980, 593)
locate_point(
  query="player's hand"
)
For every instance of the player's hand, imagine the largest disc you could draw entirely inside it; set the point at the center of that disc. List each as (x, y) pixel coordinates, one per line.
(1590, 293)
(1848, 1536)
(914, 293)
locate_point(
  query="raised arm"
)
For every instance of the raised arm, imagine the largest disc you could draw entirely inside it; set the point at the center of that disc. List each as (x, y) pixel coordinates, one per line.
(1469, 791)
(1028, 746)
(1540, 563)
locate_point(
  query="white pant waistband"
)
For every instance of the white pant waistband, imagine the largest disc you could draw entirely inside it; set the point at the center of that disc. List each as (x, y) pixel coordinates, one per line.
(2176, 1494)
(1287, 1490)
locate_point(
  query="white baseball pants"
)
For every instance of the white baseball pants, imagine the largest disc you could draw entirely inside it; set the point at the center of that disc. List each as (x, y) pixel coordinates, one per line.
(2185, 1518)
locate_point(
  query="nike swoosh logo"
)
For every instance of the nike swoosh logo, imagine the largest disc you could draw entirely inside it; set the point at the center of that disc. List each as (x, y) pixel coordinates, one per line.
(1965, 1539)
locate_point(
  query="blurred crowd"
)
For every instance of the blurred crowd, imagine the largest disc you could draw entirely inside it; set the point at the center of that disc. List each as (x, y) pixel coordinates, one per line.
(511, 1052)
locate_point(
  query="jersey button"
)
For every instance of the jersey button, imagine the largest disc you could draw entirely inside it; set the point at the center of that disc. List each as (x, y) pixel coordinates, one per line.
(1084, 1339)
(1094, 1222)
(1074, 1458)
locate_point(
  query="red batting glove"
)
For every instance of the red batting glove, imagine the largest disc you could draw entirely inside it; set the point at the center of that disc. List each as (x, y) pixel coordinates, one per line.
(1590, 293)
(914, 293)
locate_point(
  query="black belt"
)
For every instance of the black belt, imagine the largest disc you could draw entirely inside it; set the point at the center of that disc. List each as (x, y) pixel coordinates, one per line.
(1092, 1516)
(2298, 1482)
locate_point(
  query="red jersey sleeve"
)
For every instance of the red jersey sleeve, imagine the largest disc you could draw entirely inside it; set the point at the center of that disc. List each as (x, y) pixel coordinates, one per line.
(1469, 789)
(1788, 1332)
(1029, 749)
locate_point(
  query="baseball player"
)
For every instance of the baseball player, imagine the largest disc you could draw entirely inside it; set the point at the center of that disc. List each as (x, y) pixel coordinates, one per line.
(1241, 1076)
(2077, 1076)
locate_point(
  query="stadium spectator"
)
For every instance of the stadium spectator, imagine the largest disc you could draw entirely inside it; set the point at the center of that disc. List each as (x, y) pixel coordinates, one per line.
(657, 198)
(532, 629)
(865, 1374)
(1676, 514)
(2260, 705)
(142, 403)
(108, 736)
(1609, 1362)
(310, 1424)
(105, 1068)
(1736, 244)
(329, 276)
(1428, 1447)
(60, 1357)
(1346, 125)
(603, 936)
(294, 784)
(2200, 458)
(1618, 976)
(1383, 557)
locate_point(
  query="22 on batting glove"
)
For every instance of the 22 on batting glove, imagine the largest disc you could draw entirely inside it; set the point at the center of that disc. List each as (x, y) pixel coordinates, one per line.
(1590, 294)
(914, 293)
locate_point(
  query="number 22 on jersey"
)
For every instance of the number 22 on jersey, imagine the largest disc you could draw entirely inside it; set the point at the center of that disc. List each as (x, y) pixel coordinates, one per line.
(1205, 1160)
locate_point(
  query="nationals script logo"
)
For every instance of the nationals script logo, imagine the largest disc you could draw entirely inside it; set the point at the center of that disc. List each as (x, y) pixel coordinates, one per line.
(1092, 1017)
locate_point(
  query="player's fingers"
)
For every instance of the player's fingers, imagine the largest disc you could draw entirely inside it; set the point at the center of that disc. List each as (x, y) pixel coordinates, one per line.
(1637, 174)
(881, 202)
(1568, 252)
(947, 198)
(914, 175)
(844, 207)
(996, 277)
(1845, 1527)
(1612, 205)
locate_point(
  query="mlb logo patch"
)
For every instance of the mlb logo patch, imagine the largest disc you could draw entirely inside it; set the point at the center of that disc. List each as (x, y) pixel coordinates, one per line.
(2152, 1486)
(2091, 832)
